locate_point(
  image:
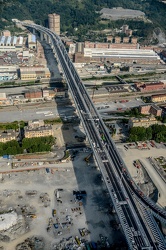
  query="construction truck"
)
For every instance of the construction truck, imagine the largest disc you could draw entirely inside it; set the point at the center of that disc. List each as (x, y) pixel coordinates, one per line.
(53, 212)
(88, 157)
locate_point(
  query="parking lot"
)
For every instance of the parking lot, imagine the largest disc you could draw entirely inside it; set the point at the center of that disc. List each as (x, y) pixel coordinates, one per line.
(106, 107)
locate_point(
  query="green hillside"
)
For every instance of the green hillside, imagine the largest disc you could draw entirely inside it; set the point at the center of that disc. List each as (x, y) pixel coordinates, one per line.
(81, 13)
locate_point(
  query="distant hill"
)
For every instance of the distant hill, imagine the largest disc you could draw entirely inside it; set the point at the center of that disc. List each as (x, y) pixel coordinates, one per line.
(80, 13)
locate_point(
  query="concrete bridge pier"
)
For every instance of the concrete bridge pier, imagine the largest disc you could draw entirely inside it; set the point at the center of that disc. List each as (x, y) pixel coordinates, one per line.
(34, 31)
(48, 39)
(45, 37)
(41, 36)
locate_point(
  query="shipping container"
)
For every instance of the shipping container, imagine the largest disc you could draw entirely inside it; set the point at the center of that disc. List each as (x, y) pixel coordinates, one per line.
(6, 156)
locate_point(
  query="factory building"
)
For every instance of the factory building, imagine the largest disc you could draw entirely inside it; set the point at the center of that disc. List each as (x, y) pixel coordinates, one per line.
(8, 73)
(11, 43)
(122, 55)
(33, 93)
(33, 73)
(150, 86)
(2, 96)
(5, 33)
(124, 45)
(32, 41)
(28, 75)
(19, 43)
(54, 23)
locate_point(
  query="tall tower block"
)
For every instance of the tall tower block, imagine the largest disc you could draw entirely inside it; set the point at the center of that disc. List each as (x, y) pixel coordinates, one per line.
(54, 23)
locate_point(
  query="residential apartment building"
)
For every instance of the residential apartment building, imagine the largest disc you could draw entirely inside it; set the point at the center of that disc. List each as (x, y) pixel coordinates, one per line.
(36, 128)
(142, 122)
(38, 132)
(150, 109)
(8, 135)
(158, 98)
(36, 123)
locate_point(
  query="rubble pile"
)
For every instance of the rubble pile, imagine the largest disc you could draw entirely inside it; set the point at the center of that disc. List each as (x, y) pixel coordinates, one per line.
(11, 226)
(45, 199)
(31, 192)
(8, 192)
(33, 243)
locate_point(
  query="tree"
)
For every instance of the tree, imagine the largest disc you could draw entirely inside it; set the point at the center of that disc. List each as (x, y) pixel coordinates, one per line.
(155, 132)
(38, 144)
(149, 133)
(75, 13)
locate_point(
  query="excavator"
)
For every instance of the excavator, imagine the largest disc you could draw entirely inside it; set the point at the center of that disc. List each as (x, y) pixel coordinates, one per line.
(87, 158)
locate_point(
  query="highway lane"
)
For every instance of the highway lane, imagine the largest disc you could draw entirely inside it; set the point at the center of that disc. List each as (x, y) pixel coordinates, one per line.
(117, 193)
(113, 182)
(88, 123)
(126, 214)
(109, 162)
(117, 161)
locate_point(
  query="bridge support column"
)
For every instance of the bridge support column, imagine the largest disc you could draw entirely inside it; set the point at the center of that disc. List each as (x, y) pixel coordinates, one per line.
(48, 39)
(41, 36)
(34, 31)
(45, 37)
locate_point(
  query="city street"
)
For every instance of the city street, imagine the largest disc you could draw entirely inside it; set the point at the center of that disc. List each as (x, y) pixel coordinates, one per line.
(41, 111)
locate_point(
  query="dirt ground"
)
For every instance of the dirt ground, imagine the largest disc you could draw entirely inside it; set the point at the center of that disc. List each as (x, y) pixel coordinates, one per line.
(93, 214)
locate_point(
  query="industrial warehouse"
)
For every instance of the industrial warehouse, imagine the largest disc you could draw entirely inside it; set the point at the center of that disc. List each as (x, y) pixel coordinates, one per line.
(125, 55)
(11, 43)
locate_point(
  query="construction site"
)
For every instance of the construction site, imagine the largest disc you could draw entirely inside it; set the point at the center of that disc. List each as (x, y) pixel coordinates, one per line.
(53, 206)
